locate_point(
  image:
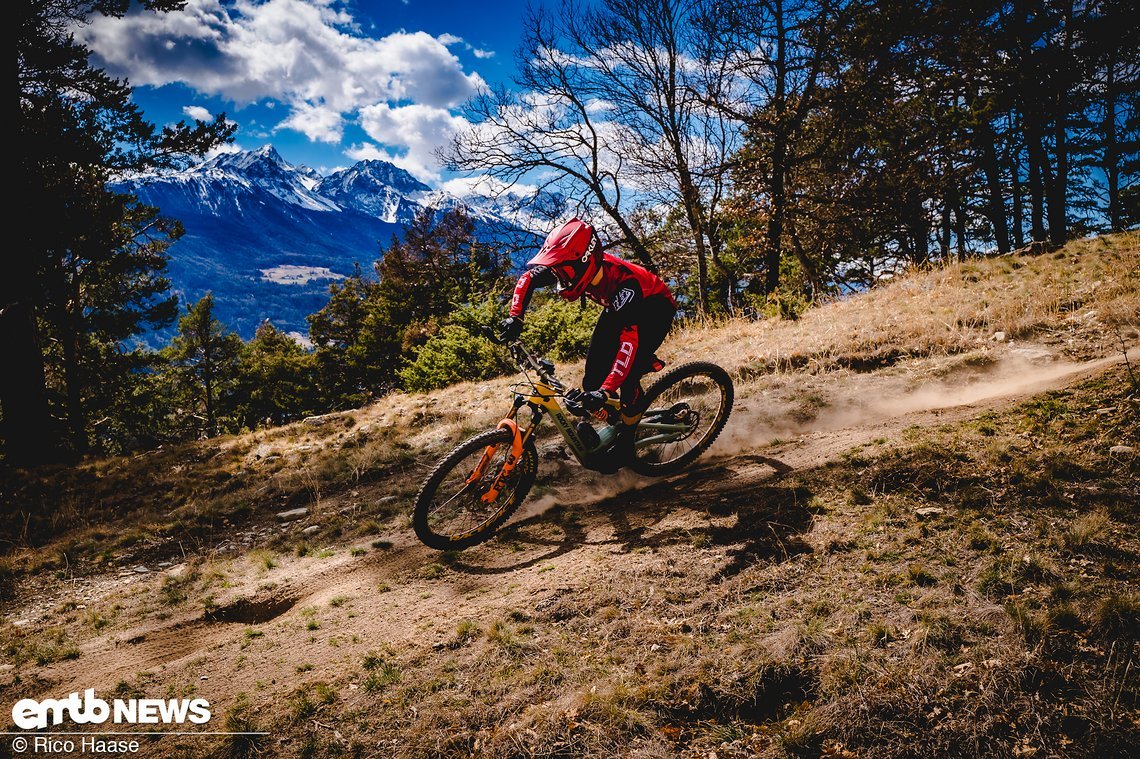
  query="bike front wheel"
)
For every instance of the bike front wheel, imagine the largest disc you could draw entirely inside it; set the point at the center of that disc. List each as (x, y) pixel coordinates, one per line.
(451, 512)
(686, 409)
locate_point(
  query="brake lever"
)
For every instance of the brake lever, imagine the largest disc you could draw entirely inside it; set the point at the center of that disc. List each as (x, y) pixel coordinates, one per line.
(491, 335)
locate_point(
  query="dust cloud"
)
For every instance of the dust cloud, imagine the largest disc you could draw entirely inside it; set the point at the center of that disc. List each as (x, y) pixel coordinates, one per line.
(871, 398)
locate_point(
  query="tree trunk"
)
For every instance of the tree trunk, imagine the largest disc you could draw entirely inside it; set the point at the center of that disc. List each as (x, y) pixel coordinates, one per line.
(996, 204)
(691, 199)
(76, 420)
(919, 228)
(71, 335)
(1111, 148)
(1018, 213)
(28, 430)
(1057, 189)
(779, 159)
(1037, 167)
(1058, 193)
(944, 240)
(775, 234)
(715, 247)
(960, 229)
(208, 383)
(808, 267)
(1058, 232)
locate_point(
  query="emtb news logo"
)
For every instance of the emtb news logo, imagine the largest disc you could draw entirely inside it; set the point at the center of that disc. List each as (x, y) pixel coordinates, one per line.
(30, 714)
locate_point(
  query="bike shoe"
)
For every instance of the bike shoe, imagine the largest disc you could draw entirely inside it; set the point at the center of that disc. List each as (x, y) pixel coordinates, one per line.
(621, 451)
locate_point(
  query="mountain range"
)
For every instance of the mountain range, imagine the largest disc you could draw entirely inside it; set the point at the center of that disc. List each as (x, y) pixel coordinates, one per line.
(267, 237)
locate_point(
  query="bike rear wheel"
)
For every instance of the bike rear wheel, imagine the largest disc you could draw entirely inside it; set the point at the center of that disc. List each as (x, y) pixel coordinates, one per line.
(450, 512)
(686, 409)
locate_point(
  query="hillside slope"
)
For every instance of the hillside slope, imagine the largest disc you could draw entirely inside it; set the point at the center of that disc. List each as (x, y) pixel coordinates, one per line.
(917, 537)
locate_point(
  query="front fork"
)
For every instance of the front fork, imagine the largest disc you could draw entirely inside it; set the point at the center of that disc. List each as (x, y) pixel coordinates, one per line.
(518, 438)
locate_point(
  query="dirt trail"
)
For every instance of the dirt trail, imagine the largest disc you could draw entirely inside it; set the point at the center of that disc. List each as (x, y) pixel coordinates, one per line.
(325, 614)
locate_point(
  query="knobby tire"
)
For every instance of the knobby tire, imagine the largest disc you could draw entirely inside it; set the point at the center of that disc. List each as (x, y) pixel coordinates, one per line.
(641, 462)
(519, 484)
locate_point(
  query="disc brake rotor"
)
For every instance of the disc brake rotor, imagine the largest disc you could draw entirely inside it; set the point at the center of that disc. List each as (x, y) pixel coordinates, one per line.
(686, 415)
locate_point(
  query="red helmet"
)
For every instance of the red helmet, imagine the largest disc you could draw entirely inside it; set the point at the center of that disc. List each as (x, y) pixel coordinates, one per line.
(574, 253)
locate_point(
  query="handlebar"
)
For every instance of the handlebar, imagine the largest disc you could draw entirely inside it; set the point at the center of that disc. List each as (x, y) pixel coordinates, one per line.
(525, 358)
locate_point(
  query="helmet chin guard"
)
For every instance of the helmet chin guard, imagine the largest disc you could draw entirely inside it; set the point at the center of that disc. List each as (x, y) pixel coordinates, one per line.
(574, 253)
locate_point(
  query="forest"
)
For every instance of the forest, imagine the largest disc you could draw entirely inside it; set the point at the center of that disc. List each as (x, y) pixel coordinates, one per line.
(764, 156)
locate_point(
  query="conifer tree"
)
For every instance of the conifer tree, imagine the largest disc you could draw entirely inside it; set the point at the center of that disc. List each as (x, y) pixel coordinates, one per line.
(77, 127)
(207, 355)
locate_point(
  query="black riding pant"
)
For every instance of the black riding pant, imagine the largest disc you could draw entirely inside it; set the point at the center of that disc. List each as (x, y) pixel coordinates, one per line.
(653, 317)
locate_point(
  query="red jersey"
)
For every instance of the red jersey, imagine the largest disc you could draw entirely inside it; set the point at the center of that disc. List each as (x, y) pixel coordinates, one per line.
(625, 290)
(622, 284)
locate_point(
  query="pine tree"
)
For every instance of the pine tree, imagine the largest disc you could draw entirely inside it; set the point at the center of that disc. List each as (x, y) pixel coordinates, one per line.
(347, 359)
(276, 380)
(77, 127)
(207, 356)
(370, 328)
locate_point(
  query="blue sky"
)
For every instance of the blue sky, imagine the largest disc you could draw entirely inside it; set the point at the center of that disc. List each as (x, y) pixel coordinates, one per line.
(327, 82)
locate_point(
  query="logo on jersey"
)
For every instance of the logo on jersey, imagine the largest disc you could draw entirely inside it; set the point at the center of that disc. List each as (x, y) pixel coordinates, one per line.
(625, 295)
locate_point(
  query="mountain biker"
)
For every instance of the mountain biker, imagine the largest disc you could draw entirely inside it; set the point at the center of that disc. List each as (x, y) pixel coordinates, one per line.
(638, 313)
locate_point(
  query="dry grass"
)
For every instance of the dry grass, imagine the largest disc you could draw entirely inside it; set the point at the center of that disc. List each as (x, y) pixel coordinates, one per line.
(885, 638)
(1090, 289)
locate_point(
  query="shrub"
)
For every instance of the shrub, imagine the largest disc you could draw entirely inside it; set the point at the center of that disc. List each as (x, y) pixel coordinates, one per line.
(562, 329)
(451, 356)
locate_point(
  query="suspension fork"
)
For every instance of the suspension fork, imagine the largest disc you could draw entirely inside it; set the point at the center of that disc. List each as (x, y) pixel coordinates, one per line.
(513, 459)
(518, 437)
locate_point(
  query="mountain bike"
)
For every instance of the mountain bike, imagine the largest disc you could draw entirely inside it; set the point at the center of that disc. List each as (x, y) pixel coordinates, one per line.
(476, 487)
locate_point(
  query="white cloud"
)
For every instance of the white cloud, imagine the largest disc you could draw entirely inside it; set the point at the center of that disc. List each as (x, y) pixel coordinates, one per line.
(226, 147)
(318, 123)
(368, 151)
(305, 53)
(481, 53)
(416, 129)
(198, 113)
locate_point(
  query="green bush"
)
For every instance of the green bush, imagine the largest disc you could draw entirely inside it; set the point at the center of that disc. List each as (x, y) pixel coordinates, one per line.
(559, 329)
(485, 311)
(451, 356)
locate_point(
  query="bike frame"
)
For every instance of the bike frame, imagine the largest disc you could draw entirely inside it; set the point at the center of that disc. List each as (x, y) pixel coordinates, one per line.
(543, 401)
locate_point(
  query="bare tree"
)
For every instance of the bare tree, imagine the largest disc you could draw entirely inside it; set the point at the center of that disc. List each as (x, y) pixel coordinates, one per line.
(648, 66)
(551, 131)
(774, 56)
(610, 115)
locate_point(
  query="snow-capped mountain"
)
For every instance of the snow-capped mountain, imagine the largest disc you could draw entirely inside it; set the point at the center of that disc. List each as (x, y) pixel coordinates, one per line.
(268, 237)
(375, 188)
